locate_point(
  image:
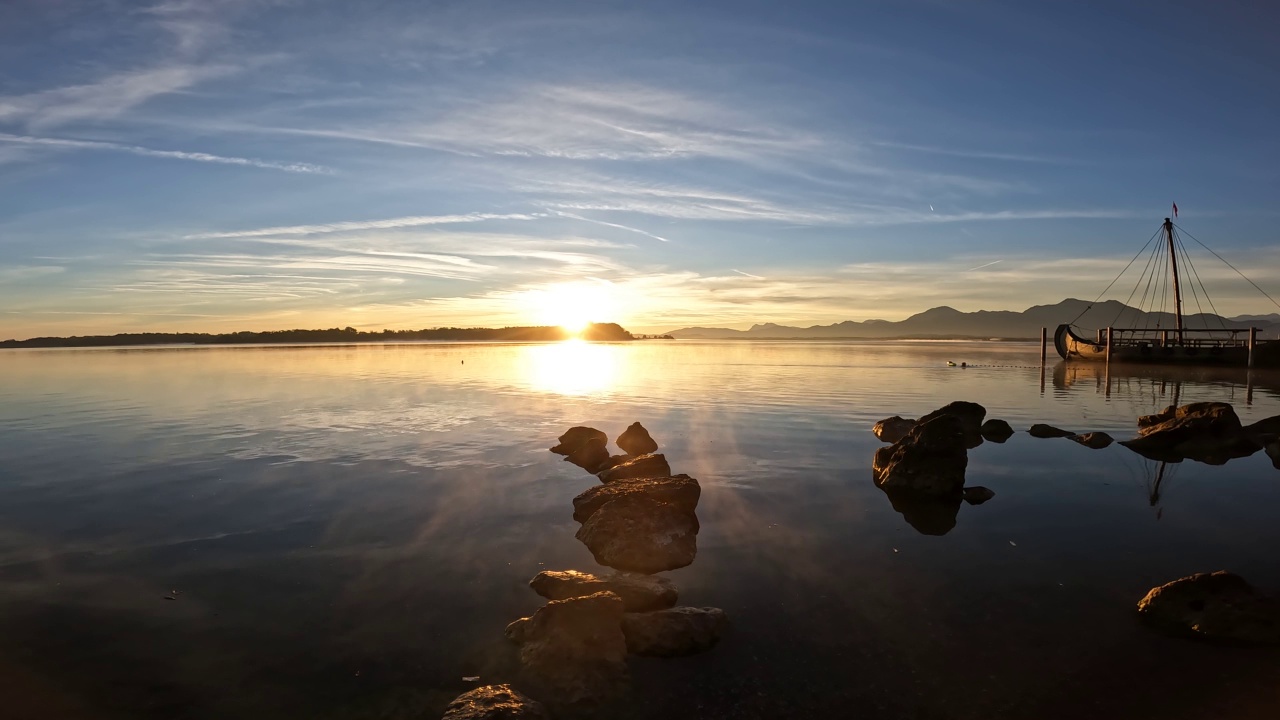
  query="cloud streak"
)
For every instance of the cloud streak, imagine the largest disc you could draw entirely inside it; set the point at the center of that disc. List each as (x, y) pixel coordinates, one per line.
(70, 144)
(360, 225)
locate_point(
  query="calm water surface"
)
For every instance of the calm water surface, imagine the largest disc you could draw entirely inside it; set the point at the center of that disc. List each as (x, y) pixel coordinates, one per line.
(348, 529)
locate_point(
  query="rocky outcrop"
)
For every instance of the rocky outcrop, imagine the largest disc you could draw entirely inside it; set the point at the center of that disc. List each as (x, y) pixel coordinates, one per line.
(976, 495)
(930, 460)
(970, 415)
(679, 490)
(1040, 430)
(1094, 440)
(574, 437)
(495, 702)
(1209, 432)
(590, 455)
(650, 465)
(635, 440)
(574, 648)
(997, 431)
(893, 429)
(674, 632)
(639, 593)
(640, 534)
(1213, 606)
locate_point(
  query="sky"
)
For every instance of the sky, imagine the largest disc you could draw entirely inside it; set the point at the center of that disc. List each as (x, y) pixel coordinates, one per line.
(220, 165)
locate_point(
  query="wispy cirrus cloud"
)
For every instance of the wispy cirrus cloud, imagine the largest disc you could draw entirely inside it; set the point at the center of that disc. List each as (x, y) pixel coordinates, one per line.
(72, 144)
(106, 98)
(359, 225)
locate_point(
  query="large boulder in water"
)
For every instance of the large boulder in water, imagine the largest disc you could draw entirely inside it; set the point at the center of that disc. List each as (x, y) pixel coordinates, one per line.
(893, 429)
(1209, 432)
(639, 593)
(641, 534)
(674, 632)
(1265, 426)
(574, 437)
(650, 465)
(970, 415)
(929, 461)
(1214, 606)
(590, 455)
(997, 431)
(495, 702)
(679, 490)
(575, 648)
(635, 440)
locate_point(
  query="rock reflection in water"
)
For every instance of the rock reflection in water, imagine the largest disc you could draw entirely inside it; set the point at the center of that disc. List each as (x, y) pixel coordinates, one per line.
(928, 515)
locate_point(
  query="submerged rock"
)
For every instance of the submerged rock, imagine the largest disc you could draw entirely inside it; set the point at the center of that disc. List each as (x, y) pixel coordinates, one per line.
(893, 429)
(495, 702)
(1209, 432)
(1094, 440)
(930, 460)
(679, 490)
(575, 648)
(1213, 606)
(970, 415)
(928, 515)
(976, 495)
(635, 440)
(1040, 430)
(997, 431)
(574, 437)
(590, 455)
(674, 632)
(639, 593)
(641, 534)
(650, 465)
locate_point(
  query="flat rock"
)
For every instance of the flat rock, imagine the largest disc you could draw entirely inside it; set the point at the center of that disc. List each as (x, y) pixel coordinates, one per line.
(679, 490)
(574, 437)
(640, 534)
(1040, 430)
(649, 465)
(1265, 426)
(590, 455)
(635, 440)
(639, 593)
(1094, 440)
(1214, 606)
(930, 460)
(970, 415)
(575, 648)
(1209, 432)
(495, 702)
(997, 431)
(976, 495)
(675, 631)
(893, 429)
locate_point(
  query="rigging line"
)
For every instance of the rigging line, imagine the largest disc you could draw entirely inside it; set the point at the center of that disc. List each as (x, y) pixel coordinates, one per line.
(1113, 282)
(1221, 321)
(1233, 267)
(1142, 304)
(1151, 279)
(1194, 294)
(1116, 321)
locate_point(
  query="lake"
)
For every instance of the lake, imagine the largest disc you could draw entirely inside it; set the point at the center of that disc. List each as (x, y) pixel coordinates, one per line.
(344, 531)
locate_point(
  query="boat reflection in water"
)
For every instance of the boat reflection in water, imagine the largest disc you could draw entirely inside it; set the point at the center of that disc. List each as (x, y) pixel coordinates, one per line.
(1229, 384)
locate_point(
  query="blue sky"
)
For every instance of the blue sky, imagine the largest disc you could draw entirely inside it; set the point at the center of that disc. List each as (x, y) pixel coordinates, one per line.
(249, 164)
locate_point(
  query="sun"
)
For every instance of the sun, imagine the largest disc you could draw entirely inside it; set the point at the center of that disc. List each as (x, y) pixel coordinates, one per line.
(574, 305)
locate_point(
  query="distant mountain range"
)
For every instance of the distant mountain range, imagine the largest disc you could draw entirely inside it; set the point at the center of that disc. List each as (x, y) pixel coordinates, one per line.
(945, 322)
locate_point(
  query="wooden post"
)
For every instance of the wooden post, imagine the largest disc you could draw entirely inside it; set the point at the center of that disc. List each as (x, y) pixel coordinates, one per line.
(1100, 331)
(1110, 337)
(1253, 343)
(1164, 338)
(1044, 344)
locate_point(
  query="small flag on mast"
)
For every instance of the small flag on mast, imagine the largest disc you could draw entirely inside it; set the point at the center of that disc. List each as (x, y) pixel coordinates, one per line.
(1175, 209)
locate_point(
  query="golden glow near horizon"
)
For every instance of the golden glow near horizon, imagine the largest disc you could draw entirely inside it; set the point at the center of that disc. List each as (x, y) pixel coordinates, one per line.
(572, 305)
(573, 367)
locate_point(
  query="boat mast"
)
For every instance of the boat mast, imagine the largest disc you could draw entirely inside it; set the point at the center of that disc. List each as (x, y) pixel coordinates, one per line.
(1177, 289)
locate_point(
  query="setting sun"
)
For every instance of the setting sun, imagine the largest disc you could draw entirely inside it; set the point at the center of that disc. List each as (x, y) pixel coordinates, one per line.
(574, 305)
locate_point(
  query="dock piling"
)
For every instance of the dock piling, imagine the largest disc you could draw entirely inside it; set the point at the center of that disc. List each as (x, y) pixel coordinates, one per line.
(1253, 343)
(1044, 344)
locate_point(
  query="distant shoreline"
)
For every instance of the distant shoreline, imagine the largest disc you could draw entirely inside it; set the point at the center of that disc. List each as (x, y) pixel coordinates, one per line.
(606, 332)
